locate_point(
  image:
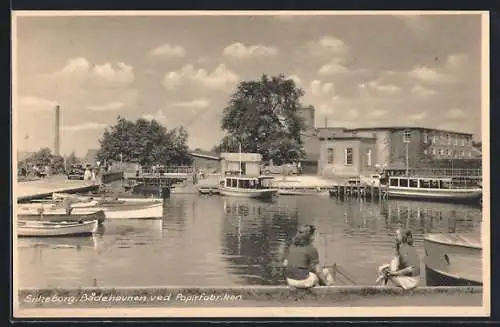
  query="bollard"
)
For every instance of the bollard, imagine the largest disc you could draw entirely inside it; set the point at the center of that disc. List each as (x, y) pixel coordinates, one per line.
(165, 192)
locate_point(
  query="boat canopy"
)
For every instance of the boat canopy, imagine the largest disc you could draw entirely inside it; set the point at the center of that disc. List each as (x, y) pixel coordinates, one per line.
(427, 182)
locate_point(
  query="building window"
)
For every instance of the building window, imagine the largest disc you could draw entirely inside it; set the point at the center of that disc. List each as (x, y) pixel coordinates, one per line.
(369, 158)
(433, 151)
(426, 137)
(455, 139)
(448, 137)
(407, 136)
(462, 139)
(462, 153)
(330, 156)
(433, 139)
(348, 156)
(448, 152)
(441, 152)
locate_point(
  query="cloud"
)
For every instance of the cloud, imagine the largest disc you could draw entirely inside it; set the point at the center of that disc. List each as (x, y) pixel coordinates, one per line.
(455, 115)
(240, 50)
(109, 74)
(416, 23)
(111, 106)
(198, 103)
(328, 45)
(376, 113)
(159, 116)
(418, 117)
(332, 68)
(84, 127)
(451, 72)
(220, 78)
(168, 50)
(39, 104)
(430, 76)
(318, 88)
(456, 61)
(376, 86)
(422, 91)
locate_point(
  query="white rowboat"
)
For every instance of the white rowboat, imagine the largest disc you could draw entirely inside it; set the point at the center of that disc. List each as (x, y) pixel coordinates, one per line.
(46, 229)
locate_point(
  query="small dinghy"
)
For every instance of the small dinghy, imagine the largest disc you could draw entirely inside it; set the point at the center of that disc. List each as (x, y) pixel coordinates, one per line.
(58, 215)
(27, 228)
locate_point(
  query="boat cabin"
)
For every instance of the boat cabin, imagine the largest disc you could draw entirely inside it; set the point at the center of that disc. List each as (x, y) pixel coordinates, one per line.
(255, 183)
(428, 182)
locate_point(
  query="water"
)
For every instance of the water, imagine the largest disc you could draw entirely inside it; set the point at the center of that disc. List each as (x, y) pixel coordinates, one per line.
(216, 241)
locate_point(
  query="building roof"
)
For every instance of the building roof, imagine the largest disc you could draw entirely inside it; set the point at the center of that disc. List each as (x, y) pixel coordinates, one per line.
(205, 155)
(245, 157)
(391, 128)
(351, 137)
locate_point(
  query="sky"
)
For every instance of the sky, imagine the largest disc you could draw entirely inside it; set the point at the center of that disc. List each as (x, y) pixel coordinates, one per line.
(356, 70)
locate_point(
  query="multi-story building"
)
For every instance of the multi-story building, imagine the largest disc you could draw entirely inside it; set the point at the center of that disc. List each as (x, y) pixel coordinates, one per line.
(390, 146)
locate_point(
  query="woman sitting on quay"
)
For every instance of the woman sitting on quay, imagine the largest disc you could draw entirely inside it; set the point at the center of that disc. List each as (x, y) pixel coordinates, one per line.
(302, 262)
(404, 269)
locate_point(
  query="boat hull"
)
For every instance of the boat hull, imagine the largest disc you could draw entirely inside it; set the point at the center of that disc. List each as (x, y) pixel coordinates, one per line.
(60, 215)
(451, 260)
(45, 229)
(300, 192)
(459, 195)
(141, 212)
(248, 193)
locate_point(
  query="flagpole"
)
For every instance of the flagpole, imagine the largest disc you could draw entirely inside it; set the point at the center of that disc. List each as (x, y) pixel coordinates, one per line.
(240, 158)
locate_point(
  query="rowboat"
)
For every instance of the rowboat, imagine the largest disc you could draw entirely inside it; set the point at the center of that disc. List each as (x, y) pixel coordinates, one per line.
(247, 187)
(59, 215)
(432, 188)
(63, 228)
(129, 210)
(453, 259)
(208, 190)
(299, 190)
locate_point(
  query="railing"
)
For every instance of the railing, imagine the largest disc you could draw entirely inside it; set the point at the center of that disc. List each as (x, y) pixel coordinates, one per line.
(440, 172)
(166, 170)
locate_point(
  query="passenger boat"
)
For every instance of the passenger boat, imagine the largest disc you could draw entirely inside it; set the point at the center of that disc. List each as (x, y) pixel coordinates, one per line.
(58, 215)
(248, 187)
(63, 228)
(300, 190)
(453, 259)
(432, 188)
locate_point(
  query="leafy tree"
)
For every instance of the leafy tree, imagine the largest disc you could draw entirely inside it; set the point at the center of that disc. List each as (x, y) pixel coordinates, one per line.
(144, 141)
(263, 116)
(42, 158)
(72, 160)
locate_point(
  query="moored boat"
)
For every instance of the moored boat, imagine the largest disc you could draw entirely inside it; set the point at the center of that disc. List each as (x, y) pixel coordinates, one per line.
(432, 188)
(247, 187)
(210, 190)
(50, 229)
(300, 190)
(59, 215)
(453, 259)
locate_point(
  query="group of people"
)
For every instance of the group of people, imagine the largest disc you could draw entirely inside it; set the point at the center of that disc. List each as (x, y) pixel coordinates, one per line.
(303, 270)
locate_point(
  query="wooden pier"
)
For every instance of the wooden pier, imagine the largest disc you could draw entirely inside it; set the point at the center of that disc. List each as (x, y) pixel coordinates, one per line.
(34, 190)
(359, 191)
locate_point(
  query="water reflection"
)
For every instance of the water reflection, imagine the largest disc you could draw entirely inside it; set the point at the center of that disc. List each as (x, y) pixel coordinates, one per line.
(209, 241)
(255, 234)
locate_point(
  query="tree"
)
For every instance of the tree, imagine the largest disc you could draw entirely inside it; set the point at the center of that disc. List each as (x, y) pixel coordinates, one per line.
(42, 158)
(262, 116)
(144, 141)
(72, 160)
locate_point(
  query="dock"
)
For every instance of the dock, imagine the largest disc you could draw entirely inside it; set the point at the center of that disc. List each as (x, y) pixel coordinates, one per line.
(43, 188)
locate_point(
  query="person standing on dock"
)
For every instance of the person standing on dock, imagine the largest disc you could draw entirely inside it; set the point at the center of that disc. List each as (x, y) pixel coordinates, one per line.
(302, 262)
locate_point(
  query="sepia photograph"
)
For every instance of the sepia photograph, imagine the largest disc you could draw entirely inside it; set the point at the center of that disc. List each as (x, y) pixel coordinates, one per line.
(250, 164)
